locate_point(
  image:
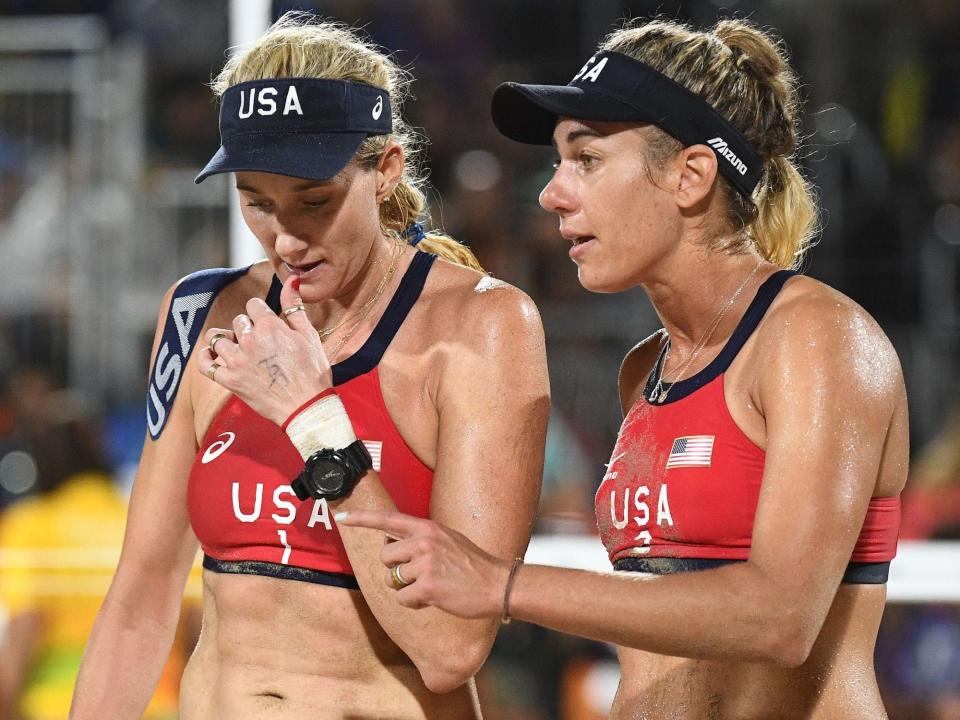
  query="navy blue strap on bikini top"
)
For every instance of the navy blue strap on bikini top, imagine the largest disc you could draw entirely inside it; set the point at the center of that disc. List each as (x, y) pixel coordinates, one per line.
(748, 323)
(369, 355)
(189, 305)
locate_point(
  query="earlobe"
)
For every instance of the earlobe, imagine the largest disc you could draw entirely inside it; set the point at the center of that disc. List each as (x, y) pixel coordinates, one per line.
(697, 175)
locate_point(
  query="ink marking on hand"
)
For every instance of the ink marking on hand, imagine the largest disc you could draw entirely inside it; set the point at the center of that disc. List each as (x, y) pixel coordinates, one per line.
(274, 371)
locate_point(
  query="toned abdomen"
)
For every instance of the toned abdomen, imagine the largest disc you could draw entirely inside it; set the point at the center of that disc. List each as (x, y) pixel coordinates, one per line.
(836, 682)
(281, 649)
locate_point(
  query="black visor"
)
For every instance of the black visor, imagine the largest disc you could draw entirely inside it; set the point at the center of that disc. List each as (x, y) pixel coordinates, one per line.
(302, 127)
(615, 87)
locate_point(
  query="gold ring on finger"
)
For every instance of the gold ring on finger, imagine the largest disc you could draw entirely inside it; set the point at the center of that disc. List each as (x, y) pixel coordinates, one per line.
(211, 371)
(215, 339)
(291, 310)
(398, 581)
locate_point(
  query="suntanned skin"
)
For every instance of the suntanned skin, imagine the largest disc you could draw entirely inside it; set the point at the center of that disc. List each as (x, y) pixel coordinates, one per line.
(818, 387)
(704, 625)
(465, 383)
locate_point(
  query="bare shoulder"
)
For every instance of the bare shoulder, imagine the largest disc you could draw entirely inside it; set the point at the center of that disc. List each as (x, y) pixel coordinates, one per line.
(481, 332)
(636, 367)
(465, 303)
(816, 331)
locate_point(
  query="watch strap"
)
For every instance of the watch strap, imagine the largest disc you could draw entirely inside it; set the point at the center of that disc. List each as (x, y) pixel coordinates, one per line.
(354, 457)
(357, 457)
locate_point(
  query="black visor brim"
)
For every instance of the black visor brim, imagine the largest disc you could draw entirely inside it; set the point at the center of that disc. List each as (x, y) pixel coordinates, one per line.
(529, 113)
(311, 156)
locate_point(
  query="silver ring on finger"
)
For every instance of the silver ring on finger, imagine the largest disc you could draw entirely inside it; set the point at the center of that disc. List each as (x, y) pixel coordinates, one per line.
(398, 582)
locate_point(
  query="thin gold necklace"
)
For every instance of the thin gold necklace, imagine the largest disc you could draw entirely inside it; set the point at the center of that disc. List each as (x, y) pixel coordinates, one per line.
(367, 305)
(660, 391)
(326, 332)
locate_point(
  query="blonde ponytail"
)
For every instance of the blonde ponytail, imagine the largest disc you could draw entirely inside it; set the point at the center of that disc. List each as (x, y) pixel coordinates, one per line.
(449, 249)
(407, 204)
(786, 220)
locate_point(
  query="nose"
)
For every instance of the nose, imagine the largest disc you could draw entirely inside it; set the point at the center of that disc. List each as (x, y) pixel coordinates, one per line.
(556, 195)
(289, 242)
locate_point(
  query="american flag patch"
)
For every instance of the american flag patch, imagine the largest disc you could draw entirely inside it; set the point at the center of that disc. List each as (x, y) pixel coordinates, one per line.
(692, 451)
(375, 448)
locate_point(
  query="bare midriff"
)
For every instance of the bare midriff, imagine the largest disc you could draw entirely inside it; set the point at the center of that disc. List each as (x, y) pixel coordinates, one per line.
(836, 682)
(275, 649)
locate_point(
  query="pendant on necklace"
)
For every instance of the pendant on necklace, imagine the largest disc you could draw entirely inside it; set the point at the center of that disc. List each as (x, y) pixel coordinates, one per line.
(663, 395)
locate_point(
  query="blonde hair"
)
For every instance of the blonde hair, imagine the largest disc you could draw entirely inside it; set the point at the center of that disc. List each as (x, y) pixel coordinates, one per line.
(300, 45)
(744, 74)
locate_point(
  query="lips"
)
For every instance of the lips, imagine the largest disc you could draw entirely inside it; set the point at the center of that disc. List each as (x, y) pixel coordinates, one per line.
(568, 233)
(581, 244)
(304, 270)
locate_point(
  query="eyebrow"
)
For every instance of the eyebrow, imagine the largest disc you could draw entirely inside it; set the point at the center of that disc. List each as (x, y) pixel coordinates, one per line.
(578, 133)
(309, 185)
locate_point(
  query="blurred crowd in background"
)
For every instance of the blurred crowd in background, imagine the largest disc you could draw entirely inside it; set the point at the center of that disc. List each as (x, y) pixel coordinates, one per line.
(105, 118)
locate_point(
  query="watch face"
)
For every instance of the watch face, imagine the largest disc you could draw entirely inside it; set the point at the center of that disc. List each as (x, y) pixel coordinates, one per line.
(327, 476)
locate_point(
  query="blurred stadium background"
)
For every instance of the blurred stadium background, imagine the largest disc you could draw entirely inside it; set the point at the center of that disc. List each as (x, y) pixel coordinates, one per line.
(105, 119)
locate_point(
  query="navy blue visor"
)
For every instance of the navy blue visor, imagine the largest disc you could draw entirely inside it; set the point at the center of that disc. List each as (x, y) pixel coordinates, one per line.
(614, 87)
(302, 127)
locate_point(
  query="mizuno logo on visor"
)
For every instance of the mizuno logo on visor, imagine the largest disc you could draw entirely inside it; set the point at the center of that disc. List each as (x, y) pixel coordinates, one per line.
(720, 145)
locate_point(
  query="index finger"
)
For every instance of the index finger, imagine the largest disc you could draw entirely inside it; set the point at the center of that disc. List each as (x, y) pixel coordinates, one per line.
(395, 524)
(290, 299)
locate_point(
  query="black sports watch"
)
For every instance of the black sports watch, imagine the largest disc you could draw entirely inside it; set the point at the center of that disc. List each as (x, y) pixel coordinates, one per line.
(332, 474)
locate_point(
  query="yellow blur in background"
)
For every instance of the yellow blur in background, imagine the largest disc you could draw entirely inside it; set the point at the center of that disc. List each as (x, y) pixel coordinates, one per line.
(59, 551)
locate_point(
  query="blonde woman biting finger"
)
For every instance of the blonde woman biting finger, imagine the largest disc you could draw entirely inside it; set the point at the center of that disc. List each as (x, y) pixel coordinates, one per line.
(366, 364)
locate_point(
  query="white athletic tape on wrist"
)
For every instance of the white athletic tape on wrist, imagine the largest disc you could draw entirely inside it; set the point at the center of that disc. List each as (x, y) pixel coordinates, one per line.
(325, 424)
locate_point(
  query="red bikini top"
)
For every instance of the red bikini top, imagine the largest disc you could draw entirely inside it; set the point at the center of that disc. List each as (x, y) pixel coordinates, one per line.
(241, 505)
(682, 485)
